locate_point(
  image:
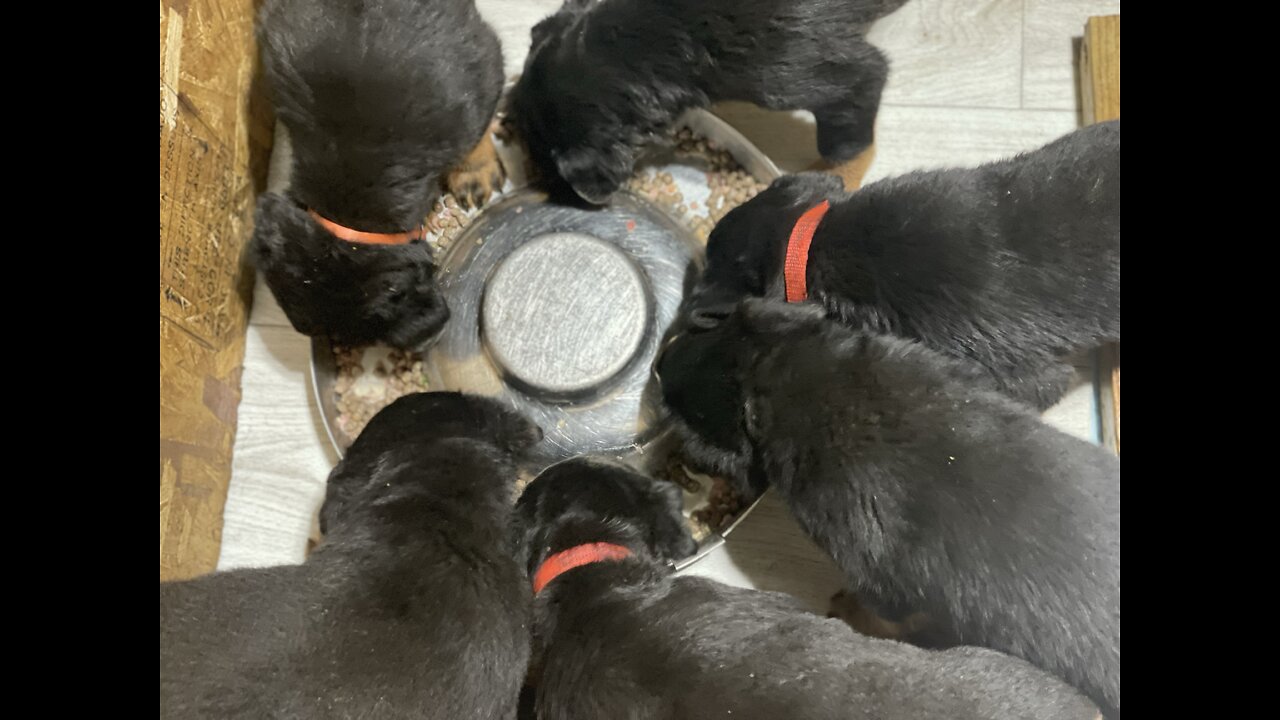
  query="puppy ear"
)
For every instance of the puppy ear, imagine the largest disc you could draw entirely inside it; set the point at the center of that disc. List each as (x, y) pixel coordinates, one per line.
(278, 222)
(423, 317)
(550, 27)
(272, 210)
(504, 426)
(699, 377)
(710, 306)
(555, 24)
(593, 174)
(759, 316)
(525, 528)
(520, 534)
(344, 481)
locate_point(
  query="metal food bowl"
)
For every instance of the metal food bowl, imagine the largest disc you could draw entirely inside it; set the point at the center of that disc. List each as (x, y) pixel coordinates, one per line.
(559, 312)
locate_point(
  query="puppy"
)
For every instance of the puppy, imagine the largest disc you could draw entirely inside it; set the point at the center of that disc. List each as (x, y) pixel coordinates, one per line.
(603, 79)
(1014, 264)
(411, 607)
(932, 491)
(383, 101)
(622, 637)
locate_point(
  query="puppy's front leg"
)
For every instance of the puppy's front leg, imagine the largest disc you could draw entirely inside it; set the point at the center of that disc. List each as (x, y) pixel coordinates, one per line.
(846, 125)
(479, 175)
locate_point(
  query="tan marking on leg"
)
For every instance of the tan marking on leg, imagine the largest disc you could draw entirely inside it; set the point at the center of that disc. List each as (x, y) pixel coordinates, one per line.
(480, 174)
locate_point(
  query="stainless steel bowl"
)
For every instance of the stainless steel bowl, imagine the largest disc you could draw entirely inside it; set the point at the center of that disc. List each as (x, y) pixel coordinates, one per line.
(559, 312)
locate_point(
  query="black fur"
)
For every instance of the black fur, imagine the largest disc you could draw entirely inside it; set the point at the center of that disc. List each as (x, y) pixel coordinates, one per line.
(626, 639)
(603, 79)
(929, 489)
(355, 293)
(1014, 264)
(411, 607)
(380, 98)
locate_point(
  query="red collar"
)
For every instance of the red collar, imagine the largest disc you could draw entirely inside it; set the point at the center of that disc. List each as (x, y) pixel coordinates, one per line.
(359, 236)
(576, 556)
(798, 252)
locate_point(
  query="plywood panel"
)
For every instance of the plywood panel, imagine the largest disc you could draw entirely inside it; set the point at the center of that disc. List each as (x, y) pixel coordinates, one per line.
(214, 139)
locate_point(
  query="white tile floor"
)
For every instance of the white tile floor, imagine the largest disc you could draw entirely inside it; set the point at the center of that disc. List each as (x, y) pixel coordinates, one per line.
(971, 81)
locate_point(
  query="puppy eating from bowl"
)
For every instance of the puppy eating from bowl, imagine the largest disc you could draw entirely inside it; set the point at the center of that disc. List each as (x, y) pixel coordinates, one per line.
(603, 79)
(933, 492)
(616, 635)
(411, 606)
(385, 104)
(1013, 265)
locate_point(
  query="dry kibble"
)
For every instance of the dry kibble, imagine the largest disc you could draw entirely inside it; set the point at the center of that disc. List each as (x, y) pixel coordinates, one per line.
(715, 504)
(722, 506)
(358, 403)
(446, 221)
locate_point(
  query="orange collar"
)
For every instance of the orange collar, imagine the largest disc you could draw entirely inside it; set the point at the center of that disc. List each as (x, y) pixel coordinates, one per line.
(574, 557)
(359, 236)
(798, 252)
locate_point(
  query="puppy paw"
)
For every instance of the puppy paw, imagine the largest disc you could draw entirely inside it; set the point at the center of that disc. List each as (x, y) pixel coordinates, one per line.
(478, 176)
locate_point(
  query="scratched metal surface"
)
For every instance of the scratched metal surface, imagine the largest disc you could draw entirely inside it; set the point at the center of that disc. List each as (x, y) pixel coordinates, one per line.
(564, 314)
(578, 366)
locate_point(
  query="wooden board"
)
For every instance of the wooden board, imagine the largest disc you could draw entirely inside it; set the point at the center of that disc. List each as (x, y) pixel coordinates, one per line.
(1100, 80)
(1100, 69)
(215, 133)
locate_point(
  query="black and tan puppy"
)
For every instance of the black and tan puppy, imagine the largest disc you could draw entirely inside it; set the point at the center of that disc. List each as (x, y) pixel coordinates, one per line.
(1014, 264)
(411, 607)
(384, 102)
(620, 637)
(932, 491)
(605, 78)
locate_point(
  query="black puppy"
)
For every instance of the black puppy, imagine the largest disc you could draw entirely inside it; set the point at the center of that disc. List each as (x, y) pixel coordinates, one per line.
(384, 100)
(620, 637)
(410, 608)
(932, 491)
(1014, 264)
(603, 79)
